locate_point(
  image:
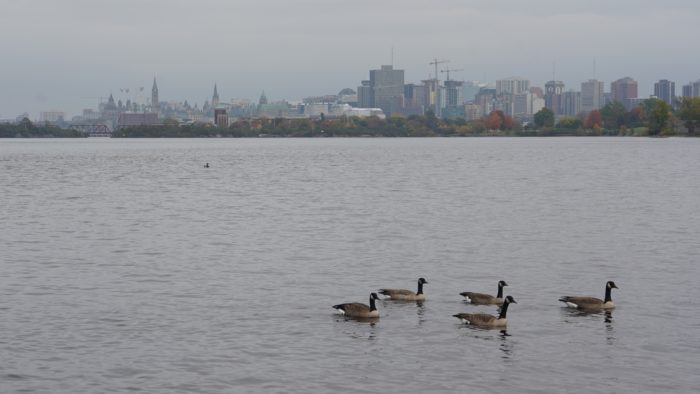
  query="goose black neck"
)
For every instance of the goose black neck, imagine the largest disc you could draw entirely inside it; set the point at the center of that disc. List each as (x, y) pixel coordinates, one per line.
(500, 292)
(608, 290)
(504, 310)
(372, 307)
(420, 287)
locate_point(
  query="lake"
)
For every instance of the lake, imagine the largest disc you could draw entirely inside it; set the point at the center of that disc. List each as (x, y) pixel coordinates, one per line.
(126, 265)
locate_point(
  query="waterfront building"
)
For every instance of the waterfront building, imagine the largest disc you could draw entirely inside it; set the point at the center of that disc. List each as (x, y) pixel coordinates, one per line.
(132, 119)
(571, 103)
(553, 96)
(364, 95)
(52, 117)
(692, 89)
(665, 90)
(387, 87)
(592, 95)
(486, 99)
(624, 90)
(512, 85)
(454, 94)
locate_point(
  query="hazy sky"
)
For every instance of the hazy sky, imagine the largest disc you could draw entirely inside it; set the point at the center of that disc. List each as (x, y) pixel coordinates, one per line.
(63, 54)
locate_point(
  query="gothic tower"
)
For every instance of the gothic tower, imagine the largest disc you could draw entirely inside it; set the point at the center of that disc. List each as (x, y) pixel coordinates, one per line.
(155, 104)
(215, 98)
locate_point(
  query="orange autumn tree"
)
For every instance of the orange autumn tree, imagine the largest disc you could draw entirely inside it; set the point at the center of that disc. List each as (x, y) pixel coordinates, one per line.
(594, 120)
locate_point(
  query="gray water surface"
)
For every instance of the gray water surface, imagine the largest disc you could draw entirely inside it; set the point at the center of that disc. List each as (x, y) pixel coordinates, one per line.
(125, 265)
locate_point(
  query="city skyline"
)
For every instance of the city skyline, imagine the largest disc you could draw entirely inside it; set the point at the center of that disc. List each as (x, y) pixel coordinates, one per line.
(64, 56)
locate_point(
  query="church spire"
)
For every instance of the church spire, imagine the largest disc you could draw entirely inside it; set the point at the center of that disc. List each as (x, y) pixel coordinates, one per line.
(155, 104)
(215, 98)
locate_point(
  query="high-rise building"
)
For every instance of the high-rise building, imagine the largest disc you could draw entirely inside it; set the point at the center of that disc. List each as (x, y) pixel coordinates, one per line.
(624, 90)
(387, 89)
(364, 95)
(552, 96)
(155, 104)
(665, 90)
(571, 103)
(692, 89)
(454, 93)
(512, 85)
(592, 95)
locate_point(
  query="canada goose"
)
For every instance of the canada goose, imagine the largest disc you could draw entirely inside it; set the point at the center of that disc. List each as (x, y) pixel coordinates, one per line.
(405, 295)
(591, 303)
(358, 309)
(485, 299)
(486, 320)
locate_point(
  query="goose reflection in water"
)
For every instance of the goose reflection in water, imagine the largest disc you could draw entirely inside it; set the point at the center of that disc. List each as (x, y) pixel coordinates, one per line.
(351, 325)
(577, 314)
(506, 345)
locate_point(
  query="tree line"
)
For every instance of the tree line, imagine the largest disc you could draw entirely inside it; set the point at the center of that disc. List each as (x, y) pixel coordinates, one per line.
(26, 129)
(653, 117)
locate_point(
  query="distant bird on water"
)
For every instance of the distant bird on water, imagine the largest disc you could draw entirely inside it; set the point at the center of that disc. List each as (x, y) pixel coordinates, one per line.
(591, 303)
(485, 299)
(405, 295)
(206, 165)
(357, 309)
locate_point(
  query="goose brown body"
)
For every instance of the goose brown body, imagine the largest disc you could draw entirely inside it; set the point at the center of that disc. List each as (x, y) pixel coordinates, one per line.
(485, 299)
(486, 320)
(405, 295)
(358, 309)
(591, 303)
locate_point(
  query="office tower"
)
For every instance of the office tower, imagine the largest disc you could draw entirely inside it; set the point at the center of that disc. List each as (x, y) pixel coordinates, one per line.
(592, 95)
(624, 90)
(512, 85)
(571, 103)
(552, 96)
(665, 90)
(692, 89)
(687, 90)
(387, 89)
(364, 95)
(155, 104)
(454, 93)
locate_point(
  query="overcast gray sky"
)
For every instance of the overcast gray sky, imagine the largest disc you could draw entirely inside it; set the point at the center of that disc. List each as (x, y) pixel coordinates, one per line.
(61, 55)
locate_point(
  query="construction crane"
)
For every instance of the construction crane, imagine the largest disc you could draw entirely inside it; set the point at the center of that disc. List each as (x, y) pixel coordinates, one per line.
(447, 70)
(436, 62)
(437, 85)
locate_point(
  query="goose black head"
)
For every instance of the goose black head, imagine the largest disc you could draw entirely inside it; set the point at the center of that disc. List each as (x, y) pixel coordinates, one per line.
(502, 283)
(509, 300)
(374, 296)
(611, 285)
(422, 281)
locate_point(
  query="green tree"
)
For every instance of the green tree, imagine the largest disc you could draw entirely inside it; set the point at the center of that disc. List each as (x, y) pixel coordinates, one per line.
(689, 113)
(658, 115)
(613, 115)
(569, 123)
(544, 118)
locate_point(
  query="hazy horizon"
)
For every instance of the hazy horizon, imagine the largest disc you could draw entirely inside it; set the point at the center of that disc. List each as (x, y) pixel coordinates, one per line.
(64, 55)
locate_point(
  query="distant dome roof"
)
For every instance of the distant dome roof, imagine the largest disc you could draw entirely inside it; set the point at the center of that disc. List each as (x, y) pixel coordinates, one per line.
(347, 92)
